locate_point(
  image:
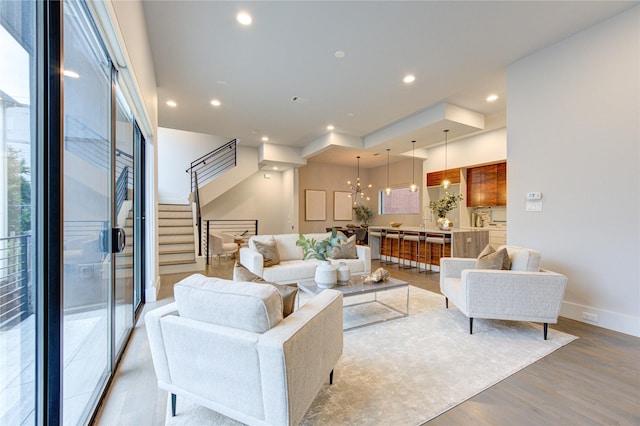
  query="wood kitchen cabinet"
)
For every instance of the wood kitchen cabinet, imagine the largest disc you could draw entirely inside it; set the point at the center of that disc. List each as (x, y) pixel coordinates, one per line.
(487, 185)
(436, 178)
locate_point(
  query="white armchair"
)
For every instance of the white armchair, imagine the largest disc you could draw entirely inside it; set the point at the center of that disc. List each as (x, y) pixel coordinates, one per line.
(222, 244)
(225, 345)
(525, 293)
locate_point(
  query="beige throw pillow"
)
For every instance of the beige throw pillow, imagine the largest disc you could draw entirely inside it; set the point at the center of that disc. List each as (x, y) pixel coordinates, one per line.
(491, 259)
(346, 249)
(269, 252)
(288, 293)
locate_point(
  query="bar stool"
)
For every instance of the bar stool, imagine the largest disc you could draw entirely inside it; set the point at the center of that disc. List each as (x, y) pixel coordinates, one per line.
(441, 240)
(393, 235)
(413, 237)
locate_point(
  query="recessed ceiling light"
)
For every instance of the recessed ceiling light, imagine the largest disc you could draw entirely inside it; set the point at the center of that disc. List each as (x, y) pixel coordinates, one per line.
(492, 98)
(244, 18)
(216, 103)
(275, 167)
(339, 54)
(71, 74)
(409, 78)
(330, 127)
(172, 104)
(265, 139)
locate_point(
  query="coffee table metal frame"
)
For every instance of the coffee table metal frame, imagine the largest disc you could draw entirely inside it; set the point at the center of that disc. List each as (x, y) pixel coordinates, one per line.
(357, 286)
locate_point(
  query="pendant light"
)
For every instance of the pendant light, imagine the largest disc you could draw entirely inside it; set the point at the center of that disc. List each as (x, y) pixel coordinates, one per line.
(413, 187)
(445, 182)
(357, 190)
(388, 188)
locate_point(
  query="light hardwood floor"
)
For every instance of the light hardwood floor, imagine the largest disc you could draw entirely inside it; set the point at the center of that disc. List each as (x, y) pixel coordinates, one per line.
(594, 380)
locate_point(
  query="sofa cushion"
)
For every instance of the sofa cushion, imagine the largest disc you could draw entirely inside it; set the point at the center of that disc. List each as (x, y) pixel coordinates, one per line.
(523, 259)
(242, 305)
(269, 251)
(489, 258)
(287, 248)
(346, 249)
(288, 293)
(291, 271)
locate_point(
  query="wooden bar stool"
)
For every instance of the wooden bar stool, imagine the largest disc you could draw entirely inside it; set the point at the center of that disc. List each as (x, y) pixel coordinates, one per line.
(390, 237)
(413, 237)
(441, 240)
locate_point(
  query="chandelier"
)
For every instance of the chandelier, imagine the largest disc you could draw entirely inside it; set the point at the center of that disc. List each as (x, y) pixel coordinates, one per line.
(357, 190)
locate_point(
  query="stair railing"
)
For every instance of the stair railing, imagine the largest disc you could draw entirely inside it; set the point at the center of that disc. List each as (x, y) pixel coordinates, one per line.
(122, 188)
(196, 197)
(213, 164)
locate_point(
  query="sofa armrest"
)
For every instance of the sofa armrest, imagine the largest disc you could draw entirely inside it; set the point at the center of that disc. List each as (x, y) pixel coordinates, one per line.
(252, 260)
(452, 267)
(516, 295)
(156, 339)
(299, 353)
(364, 254)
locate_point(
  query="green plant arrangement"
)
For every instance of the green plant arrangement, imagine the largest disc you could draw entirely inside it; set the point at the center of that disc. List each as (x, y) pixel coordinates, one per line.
(445, 204)
(320, 250)
(363, 213)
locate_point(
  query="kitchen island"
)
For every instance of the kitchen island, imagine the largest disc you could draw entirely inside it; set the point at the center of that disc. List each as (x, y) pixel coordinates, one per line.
(399, 245)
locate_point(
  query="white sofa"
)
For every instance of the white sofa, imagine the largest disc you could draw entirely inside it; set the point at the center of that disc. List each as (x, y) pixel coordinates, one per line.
(225, 345)
(524, 293)
(292, 267)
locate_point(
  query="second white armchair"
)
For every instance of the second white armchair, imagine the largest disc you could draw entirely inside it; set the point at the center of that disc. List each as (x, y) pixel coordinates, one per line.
(524, 293)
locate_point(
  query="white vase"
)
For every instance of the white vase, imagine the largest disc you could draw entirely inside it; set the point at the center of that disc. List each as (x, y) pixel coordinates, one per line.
(326, 275)
(344, 273)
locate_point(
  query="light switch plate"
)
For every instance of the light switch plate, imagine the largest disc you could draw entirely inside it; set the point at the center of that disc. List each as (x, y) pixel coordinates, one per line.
(534, 206)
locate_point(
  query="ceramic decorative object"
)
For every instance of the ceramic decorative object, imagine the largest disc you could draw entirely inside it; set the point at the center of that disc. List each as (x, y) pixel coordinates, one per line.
(444, 224)
(344, 273)
(380, 274)
(326, 275)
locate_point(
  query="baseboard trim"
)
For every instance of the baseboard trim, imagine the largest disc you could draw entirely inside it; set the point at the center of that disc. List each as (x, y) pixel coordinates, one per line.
(151, 293)
(615, 321)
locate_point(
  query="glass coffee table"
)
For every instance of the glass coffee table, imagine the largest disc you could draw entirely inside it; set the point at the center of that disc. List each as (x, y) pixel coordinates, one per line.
(357, 286)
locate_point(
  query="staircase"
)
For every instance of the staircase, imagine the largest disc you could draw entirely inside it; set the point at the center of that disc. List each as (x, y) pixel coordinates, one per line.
(176, 239)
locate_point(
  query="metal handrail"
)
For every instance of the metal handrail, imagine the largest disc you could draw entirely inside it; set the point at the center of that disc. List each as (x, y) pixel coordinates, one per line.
(196, 193)
(213, 164)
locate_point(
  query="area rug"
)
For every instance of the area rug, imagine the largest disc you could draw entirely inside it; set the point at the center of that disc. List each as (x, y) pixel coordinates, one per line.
(409, 370)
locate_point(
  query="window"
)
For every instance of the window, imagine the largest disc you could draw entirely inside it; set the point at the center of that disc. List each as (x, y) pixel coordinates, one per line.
(400, 201)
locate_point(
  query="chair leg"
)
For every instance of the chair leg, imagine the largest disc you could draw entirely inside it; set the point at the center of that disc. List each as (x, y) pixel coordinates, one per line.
(331, 377)
(446, 302)
(173, 405)
(470, 325)
(546, 328)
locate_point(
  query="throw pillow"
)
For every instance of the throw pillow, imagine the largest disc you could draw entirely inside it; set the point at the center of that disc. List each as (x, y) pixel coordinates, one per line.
(346, 249)
(491, 259)
(269, 252)
(288, 293)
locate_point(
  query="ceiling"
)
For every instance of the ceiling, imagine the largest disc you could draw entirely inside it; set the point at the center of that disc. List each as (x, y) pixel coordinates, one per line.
(280, 77)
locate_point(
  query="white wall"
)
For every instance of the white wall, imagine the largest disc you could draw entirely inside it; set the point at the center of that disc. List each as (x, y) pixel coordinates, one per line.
(484, 148)
(176, 150)
(255, 198)
(489, 147)
(574, 135)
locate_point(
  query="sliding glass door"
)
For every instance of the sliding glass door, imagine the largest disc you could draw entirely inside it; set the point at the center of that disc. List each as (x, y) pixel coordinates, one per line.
(125, 221)
(71, 214)
(88, 202)
(18, 148)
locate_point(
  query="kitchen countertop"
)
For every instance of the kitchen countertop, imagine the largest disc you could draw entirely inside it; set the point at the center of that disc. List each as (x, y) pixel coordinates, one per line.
(429, 230)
